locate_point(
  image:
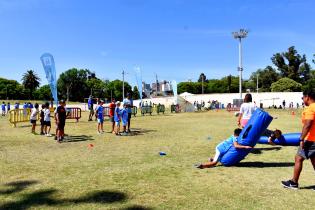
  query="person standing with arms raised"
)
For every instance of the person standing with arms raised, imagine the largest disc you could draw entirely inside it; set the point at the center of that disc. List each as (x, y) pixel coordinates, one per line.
(129, 104)
(306, 149)
(246, 110)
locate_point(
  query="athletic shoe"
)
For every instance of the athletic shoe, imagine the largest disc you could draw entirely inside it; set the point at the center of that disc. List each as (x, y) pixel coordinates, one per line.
(48, 135)
(290, 184)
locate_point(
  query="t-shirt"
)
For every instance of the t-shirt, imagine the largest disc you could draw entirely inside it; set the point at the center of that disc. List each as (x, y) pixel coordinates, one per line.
(309, 114)
(90, 104)
(100, 114)
(9, 107)
(46, 115)
(124, 116)
(16, 106)
(112, 109)
(117, 114)
(3, 107)
(129, 104)
(34, 114)
(61, 112)
(247, 110)
(25, 106)
(224, 146)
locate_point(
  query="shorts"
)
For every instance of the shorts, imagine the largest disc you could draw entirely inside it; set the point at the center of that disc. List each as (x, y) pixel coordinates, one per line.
(61, 125)
(33, 121)
(111, 119)
(244, 122)
(129, 116)
(124, 123)
(308, 151)
(117, 123)
(100, 120)
(47, 123)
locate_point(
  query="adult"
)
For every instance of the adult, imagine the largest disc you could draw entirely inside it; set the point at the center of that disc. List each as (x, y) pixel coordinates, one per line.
(283, 104)
(112, 107)
(61, 115)
(90, 107)
(128, 102)
(306, 149)
(246, 110)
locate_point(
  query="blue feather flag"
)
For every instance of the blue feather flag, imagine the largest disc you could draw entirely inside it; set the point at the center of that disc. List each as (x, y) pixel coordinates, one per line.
(50, 71)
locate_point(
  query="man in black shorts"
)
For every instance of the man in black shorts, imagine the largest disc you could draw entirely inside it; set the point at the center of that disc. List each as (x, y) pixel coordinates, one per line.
(307, 140)
(61, 115)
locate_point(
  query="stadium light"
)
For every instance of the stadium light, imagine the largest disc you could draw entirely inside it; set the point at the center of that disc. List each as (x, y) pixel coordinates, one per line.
(241, 34)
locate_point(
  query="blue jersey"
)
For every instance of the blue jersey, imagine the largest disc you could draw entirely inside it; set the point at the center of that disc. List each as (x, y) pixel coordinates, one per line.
(90, 102)
(3, 107)
(16, 106)
(224, 146)
(124, 116)
(8, 106)
(30, 106)
(100, 114)
(117, 114)
(24, 106)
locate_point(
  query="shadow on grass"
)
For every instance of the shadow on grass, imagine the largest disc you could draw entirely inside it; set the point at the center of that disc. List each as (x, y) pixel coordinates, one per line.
(312, 187)
(259, 150)
(137, 207)
(17, 186)
(140, 131)
(45, 197)
(257, 164)
(78, 138)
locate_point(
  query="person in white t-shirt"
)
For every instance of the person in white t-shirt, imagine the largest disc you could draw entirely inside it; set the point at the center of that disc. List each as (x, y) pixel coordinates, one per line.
(246, 110)
(47, 122)
(33, 117)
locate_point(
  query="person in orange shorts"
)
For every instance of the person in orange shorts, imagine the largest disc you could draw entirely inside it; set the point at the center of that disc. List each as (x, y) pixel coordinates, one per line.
(306, 149)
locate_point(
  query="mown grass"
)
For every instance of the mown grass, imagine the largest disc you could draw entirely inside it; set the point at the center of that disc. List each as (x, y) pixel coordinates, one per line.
(128, 173)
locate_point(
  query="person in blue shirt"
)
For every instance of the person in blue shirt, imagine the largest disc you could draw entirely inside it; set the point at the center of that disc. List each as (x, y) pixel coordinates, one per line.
(90, 107)
(3, 108)
(117, 118)
(129, 104)
(100, 117)
(124, 119)
(8, 107)
(30, 105)
(222, 148)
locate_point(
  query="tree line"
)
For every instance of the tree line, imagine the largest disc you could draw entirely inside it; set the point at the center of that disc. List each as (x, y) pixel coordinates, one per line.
(291, 73)
(73, 85)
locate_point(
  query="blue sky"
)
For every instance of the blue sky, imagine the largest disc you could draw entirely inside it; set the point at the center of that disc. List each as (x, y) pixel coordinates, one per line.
(175, 39)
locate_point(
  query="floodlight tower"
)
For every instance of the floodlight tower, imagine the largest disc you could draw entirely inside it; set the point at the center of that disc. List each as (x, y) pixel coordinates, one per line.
(240, 35)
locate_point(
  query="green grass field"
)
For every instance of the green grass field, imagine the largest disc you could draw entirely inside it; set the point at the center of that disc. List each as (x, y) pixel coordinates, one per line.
(128, 173)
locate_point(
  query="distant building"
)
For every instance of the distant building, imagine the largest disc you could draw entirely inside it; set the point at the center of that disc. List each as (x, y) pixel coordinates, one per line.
(162, 88)
(146, 88)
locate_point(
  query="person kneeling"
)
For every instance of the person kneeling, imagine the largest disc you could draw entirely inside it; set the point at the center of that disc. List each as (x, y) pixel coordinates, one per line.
(222, 148)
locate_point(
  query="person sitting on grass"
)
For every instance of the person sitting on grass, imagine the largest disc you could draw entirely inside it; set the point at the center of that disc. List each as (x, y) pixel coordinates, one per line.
(222, 148)
(272, 135)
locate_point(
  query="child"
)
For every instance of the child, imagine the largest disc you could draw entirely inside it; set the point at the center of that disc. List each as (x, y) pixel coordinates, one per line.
(112, 106)
(41, 115)
(61, 116)
(3, 108)
(124, 119)
(272, 135)
(47, 122)
(222, 148)
(8, 107)
(33, 117)
(100, 117)
(117, 118)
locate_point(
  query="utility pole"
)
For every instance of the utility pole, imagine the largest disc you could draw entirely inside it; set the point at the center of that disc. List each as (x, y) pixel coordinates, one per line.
(202, 84)
(157, 83)
(257, 83)
(240, 35)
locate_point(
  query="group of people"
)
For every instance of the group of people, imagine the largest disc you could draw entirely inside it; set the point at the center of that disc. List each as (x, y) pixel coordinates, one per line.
(118, 116)
(60, 115)
(305, 151)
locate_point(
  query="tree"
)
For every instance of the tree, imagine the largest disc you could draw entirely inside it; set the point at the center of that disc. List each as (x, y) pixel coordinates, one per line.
(10, 89)
(135, 93)
(97, 87)
(266, 77)
(289, 64)
(43, 93)
(189, 87)
(116, 88)
(31, 81)
(72, 84)
(286, 85)
(202, 78)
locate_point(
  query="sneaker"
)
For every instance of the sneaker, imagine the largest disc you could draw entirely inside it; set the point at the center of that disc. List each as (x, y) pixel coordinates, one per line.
(48, 135)
(290, 184)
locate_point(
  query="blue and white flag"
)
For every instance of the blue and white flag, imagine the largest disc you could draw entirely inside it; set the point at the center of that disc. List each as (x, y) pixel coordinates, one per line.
(50, 70)
(139, 81)
(174, 86)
